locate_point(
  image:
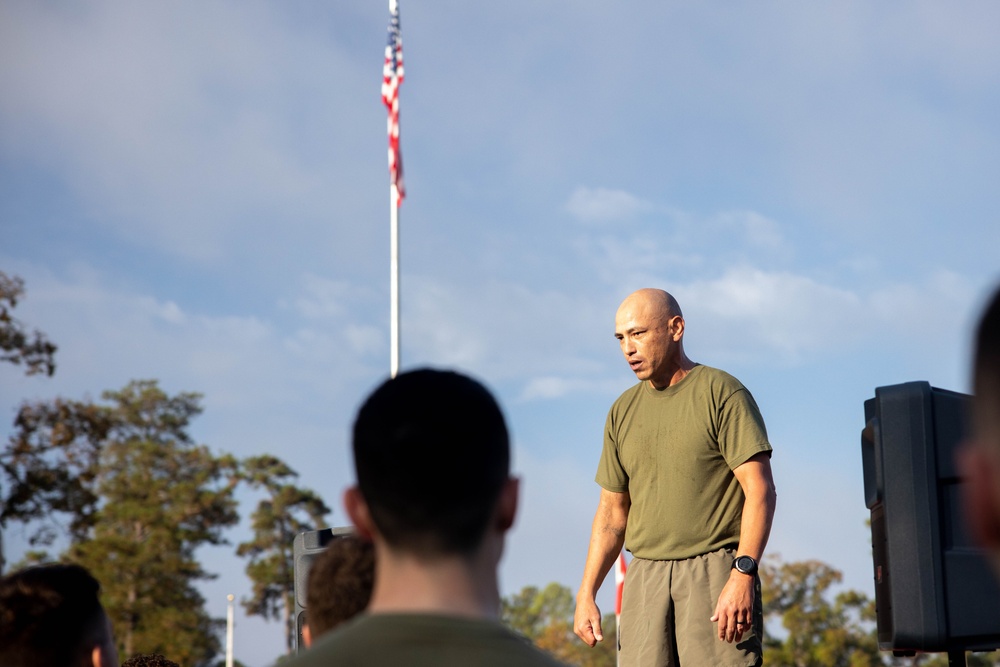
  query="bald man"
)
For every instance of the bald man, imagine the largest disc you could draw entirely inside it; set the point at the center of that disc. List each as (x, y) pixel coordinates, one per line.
(686, 487)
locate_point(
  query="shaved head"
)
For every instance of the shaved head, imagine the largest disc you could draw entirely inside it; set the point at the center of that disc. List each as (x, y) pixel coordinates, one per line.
(660, 304)
(649, 327)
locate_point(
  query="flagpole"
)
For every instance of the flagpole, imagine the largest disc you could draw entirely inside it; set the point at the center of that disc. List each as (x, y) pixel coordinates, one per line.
(394, 281)
(392, 77)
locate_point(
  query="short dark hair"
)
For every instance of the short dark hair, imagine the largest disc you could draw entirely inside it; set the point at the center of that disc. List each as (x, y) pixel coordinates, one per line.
(986, 369)
(50, 615)
(340, 583)
(149, 660)
(432, 454)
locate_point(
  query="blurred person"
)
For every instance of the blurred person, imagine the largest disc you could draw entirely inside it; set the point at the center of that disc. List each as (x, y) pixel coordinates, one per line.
(686, 487)
(339, 585)
(980, 457)
(435, 496)
(51, 616)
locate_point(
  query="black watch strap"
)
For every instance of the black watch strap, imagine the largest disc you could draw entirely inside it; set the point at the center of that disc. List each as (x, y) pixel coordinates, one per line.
(745, 565)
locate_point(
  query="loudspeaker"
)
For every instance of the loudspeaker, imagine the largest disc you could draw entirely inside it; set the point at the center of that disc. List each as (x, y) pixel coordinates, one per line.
(306, 547)
(934, 589)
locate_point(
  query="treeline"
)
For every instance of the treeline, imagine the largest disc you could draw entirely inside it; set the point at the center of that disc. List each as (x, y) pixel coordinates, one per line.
(124, 484)
(121, 488)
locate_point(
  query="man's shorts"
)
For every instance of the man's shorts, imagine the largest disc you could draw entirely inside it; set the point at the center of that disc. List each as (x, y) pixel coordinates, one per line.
(666, 605)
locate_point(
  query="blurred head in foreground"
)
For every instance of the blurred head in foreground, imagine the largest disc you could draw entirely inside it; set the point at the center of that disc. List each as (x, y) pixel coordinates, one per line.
(149, 660)
(435, 498)
(981, 455)
(51, 615)
(339, 586)
(432, 457)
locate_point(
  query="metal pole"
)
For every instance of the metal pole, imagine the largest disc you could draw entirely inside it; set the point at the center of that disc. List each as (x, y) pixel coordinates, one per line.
(229, 631)
(394, 282)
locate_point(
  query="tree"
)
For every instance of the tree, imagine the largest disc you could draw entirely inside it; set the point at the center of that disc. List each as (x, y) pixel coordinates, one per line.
(284, 512)
(138, 497)
(17, 346)
(817, 632)
(51, 466)
(546, 618)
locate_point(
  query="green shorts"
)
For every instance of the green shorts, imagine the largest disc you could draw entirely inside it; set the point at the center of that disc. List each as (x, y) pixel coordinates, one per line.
(666, 607)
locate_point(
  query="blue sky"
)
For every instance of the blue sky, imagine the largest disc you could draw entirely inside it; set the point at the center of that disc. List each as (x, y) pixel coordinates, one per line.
(198, 193)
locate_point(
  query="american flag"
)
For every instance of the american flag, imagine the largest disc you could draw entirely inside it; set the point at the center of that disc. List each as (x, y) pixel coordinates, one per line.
(392, 77)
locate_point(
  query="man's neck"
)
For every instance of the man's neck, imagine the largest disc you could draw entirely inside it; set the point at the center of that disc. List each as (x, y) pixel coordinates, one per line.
(450, 585)
(677, 372)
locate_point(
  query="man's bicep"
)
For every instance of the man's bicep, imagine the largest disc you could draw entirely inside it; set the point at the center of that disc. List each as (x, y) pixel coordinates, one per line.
(613, 508)
(754, 474)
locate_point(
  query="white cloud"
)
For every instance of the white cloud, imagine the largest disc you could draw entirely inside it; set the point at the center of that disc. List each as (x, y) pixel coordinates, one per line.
(505, 330)
(782, 316)
(759, 232)
(604, 205)
(176, 133)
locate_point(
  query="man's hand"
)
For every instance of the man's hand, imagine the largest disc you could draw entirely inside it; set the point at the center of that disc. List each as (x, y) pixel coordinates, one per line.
(734, 611)
(587, 622)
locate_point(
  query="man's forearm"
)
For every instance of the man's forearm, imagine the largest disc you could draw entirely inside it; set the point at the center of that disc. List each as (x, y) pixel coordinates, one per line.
(758, 512)
(607, 537)
(606, 543)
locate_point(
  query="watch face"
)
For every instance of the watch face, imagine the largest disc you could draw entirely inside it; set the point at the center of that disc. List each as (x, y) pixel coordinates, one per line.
(745, 564)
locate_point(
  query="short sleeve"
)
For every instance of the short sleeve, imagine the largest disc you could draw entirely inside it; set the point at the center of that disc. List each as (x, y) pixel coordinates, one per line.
(611, 474)
(742, 433)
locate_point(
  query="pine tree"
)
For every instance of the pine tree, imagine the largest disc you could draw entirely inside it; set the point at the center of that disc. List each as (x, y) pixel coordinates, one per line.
(138, 498)
(17, 346)
(285, 511)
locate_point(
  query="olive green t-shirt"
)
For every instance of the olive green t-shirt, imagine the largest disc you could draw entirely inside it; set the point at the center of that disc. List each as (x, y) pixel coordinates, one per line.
(418, 640)
(673, 450)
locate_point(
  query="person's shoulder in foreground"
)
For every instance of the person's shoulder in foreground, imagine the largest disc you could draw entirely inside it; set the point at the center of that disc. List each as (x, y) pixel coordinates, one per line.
(424, 639)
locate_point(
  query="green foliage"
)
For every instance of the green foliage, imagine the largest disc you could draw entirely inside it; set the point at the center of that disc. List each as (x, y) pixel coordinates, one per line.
(17, 346)
(138, 497)
(285, 511)
(51, 464)
(817, 631)
(546, 618)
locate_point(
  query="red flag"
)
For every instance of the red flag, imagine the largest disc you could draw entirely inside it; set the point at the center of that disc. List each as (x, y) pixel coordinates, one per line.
(392, 77)
(620, 568)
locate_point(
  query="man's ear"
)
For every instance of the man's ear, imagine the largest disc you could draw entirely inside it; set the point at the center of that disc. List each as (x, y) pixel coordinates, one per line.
(507, 503)
(105, 653)
(360, 515)
(99, 657)
(676, 327)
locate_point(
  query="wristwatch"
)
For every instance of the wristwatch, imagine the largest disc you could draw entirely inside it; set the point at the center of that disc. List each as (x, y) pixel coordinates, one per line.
(745, 565)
